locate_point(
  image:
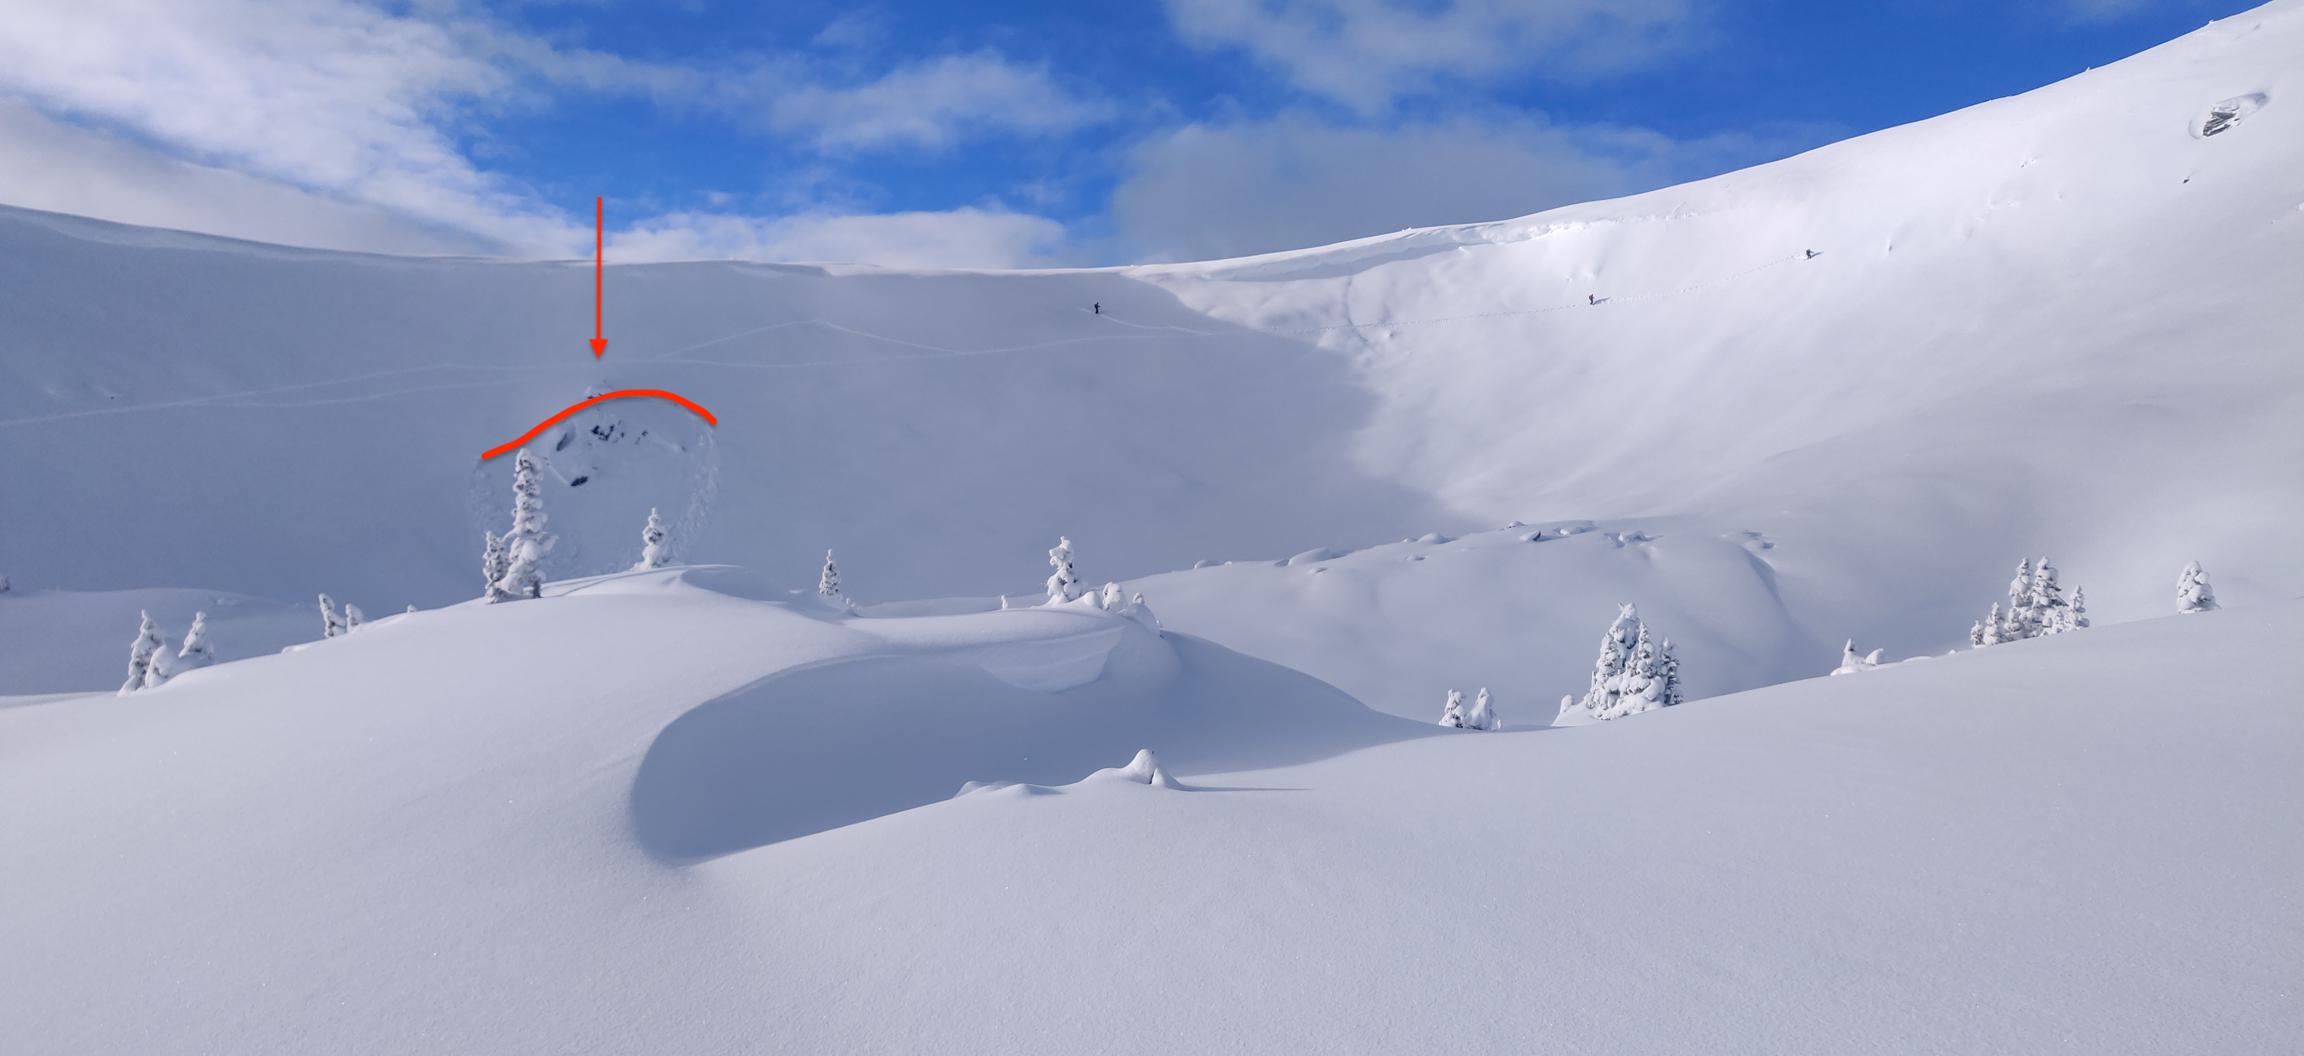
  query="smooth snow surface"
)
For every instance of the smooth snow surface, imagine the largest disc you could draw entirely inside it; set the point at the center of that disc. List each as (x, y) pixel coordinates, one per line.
(647, 813)
(2060, 323)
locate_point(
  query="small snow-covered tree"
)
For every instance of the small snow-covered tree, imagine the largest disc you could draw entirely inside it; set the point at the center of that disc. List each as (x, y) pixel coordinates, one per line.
(491, 565)
(2050, 612)
(1112, 598)
(3, 584)
(1452, 715)
(1668, 666)
(1483, 716)
(2193, 593)
(655, 548)
(2018, 621)
(2077, 619)
(163, 666)
(197, 652)
(140, 652)
(1995, 627)
(1063, 584)
(353, 617)
(527, 543)
(828, 582)
(1976, 635)
(1641, 687)
(1607, 687)
(331, 624)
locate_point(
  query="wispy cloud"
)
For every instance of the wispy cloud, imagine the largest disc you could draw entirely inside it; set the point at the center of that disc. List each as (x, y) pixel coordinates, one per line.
(936, 102)
(1369, 53)
(346, 119)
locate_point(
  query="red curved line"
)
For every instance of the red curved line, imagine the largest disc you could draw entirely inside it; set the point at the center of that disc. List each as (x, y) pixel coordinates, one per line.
(556, 419)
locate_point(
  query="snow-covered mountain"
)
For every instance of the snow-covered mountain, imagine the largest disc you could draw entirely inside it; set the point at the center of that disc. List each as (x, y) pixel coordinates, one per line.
(2058, 323)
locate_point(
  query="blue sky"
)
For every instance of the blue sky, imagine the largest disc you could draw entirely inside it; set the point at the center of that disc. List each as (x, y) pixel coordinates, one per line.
(1018, 133)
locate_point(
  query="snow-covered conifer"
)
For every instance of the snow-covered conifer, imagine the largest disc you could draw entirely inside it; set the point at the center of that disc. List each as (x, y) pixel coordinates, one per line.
(1063, 584)
(353, 617)
(2049, 610)
(140, 652)
(1668, 667)
(2017, 621)
(1452, 715)
(655, 548)
(1608, 671)
(2079, 613)
(163, 666)
(828, 583)
(1642, 687)
(1995, 627)
(2193, 594)
(491, 565)
(527, 543)
(1483, 716)
(331, 624)
(196, 652)
(1976, 634)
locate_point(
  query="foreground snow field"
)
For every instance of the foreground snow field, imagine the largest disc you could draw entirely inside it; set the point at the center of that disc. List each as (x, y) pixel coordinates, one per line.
(653, 813)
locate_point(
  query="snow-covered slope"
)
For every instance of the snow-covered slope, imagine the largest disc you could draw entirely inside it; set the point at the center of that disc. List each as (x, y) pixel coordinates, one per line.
(2059, 323)
(656, 812)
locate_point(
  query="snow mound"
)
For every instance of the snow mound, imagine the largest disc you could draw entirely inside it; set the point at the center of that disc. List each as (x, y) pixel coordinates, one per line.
(1144, 769)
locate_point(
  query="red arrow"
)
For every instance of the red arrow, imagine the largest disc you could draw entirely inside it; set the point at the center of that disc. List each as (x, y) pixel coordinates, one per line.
(599, 240)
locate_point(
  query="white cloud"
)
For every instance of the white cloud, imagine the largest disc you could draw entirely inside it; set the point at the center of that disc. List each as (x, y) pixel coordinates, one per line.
(1209, 191)
(65, 169)
(328, 96)
(334, 123)
(933, 103)
(958, 238)
(1368, 53)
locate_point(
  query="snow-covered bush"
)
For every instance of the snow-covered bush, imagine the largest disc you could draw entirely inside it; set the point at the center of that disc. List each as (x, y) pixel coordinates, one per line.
(1483, 716)
(1063, 584)
(353, 617)
(197, 653)
(148, 644)
(2193, 594)
(527, 543)
(1850, 663)
(656, 551)
(491, 564)
(331, 624)
(1452, 715)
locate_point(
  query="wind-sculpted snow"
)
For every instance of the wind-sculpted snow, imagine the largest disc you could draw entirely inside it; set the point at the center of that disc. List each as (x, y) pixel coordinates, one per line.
(842, 742)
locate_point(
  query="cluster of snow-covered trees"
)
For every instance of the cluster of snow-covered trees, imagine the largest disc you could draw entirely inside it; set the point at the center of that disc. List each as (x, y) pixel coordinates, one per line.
(2036, 607)
(1635, 672)
(1482, 716)
(149, 661)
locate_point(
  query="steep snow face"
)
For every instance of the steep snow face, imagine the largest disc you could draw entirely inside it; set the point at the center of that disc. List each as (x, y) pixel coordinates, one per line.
(580, 824)
(2058, 323)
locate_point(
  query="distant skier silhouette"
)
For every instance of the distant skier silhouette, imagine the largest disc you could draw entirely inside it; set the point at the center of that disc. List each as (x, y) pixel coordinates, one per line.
(1592, 298)
(1811, 253)
(1099, 307)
